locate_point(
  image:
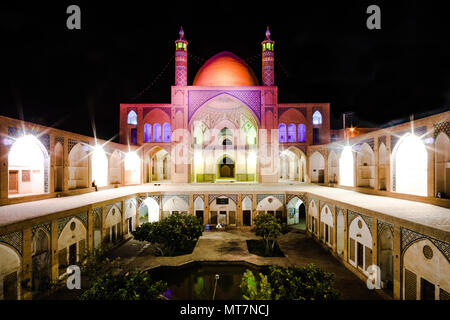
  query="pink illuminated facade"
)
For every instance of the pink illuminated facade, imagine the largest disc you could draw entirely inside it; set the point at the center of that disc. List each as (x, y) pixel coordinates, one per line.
(225, 126)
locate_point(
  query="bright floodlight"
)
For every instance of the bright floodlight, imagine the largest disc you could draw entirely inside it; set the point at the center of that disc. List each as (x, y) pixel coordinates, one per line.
(346, 173)
(132, 168)
(26, 153)
(411, 166)
(99, 167)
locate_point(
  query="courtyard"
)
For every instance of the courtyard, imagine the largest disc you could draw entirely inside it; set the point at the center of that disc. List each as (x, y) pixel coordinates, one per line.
(230, 246)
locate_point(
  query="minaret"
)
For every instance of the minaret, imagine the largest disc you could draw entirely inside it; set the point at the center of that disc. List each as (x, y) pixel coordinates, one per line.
(268, 57)
(181, 60)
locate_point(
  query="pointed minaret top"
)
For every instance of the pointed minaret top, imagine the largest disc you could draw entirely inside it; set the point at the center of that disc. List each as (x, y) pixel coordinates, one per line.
(267, 33)
(181, 33)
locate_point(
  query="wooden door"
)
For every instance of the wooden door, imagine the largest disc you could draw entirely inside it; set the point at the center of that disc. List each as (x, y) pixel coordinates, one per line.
(13, 181)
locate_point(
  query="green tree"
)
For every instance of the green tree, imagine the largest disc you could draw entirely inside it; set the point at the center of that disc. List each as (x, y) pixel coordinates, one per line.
(290, 283)
(130, 286)
(255, 289)
(172, 235)
(97, 262)
(267, 227)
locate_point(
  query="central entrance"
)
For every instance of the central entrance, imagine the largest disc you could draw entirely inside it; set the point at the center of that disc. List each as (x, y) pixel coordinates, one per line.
(226, 168)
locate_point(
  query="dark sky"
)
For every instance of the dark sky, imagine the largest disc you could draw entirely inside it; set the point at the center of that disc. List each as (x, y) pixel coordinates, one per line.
(324, 53)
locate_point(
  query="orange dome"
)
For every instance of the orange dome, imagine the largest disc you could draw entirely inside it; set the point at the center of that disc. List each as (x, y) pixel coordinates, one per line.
(225, 69)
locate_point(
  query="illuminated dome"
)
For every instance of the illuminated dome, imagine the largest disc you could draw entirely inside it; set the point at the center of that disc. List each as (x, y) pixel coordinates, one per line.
(225, 69)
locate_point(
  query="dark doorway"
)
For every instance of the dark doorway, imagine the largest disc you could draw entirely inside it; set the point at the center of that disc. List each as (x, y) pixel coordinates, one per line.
(321, 176)
(226, 168)
(73, 254)
(247, 217)
(113, 234)
(199, 214)
(360, 252)
(279, 215)
(302, 216)
(427, 290)
(316, 138)
(10, 286)
(213, 217)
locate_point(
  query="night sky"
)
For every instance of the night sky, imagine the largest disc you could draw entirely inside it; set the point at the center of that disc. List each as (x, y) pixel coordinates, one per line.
(324, 53)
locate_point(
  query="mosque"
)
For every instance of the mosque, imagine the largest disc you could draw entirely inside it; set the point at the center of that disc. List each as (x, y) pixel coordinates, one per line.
(225, 150)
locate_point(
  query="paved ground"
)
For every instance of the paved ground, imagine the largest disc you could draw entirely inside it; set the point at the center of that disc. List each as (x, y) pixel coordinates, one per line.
(231, 246)
(420, 213)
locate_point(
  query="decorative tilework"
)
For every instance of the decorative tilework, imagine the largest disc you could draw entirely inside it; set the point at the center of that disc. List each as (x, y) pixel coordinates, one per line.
(251, 98)
(370, 142)
(201, 196)
(60, 140)
(442, 127)
(117, 204)
(73, 142)
(324, 203)
(381, 140)
(381, 225)
(260, 197)
(409, 237)
(46, 226)
(291, 196)
(397, 135)
(183, 197)
(14, 239)
(83, 216)
(352, 215)
(212, 197)
(62, 223)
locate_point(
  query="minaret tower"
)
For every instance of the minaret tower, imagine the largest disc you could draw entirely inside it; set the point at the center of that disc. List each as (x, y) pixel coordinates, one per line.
(268, 59)
(181, 60)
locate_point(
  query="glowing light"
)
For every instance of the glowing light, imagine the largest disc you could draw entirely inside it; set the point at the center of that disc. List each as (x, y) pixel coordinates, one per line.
(26, 152)
(346, 171)
(251, 162)
(99, 167)
(411, 166)
(132, 167)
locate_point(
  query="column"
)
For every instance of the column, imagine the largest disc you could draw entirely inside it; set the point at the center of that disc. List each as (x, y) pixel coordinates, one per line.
(27, 275)
(206, 211)
(239, 210)
(54, 261)
(51, 174)
(4, 172)
(90, 239)
(397, 263)
(388, 165)
(334, 230)
(66, 165)
(374, 233)
(191, 204)
(377, 163)
(345, 235)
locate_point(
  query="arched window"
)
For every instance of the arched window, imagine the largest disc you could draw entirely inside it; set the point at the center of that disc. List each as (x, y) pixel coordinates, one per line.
(166, 132)
(301, 133)
(132, 117)
(317, 118)
(156, 132)
(282, 132)
(147, 132)
(292, 133)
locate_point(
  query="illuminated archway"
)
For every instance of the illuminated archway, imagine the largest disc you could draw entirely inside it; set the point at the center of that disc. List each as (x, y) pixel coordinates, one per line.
(99, 167)
(317, 167)
(78, 167)
(9, 273)
(132, 168)
(410, 166)
(346, 167)
(27, 166)
(149, 211)
(366, 167)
